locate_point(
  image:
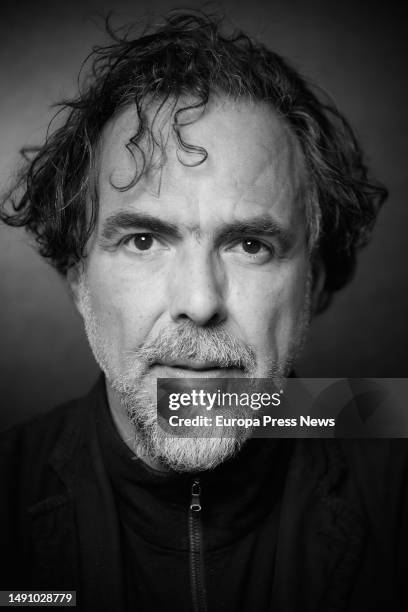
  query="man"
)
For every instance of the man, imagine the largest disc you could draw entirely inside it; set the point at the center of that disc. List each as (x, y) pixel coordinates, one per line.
(203, 205)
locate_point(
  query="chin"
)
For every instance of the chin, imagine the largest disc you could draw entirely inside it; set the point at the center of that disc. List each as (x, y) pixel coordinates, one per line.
(177, 453)
(186, 454)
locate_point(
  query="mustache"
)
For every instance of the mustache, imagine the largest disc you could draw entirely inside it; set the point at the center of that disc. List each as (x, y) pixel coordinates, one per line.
(187, 341)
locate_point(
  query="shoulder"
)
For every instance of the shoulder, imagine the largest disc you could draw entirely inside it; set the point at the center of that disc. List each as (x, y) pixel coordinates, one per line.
(377, 461)
(374, 482)
(28, 447)
(369, 474)
(379, 469)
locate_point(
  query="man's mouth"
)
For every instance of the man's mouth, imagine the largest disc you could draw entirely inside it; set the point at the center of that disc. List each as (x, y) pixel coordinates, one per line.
(193, 368)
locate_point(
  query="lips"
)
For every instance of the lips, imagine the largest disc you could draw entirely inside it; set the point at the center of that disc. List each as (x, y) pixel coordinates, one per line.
(186, 368)
(189, 364)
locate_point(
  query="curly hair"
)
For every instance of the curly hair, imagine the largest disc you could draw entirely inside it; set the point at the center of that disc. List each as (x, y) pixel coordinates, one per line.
(190, 56)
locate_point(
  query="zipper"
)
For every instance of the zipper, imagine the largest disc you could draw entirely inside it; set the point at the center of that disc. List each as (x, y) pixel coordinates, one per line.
(196, 549)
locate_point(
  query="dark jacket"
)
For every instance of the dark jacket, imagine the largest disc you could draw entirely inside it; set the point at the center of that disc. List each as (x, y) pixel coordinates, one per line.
(342, 536)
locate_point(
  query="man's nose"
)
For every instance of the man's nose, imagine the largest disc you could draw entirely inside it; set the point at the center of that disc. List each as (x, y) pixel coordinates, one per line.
(197, 290)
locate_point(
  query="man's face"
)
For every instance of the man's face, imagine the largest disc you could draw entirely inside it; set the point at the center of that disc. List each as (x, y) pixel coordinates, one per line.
(197, 270)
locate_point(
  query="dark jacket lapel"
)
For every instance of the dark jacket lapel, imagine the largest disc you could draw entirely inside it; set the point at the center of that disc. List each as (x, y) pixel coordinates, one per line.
(321, 535)
(79, 527)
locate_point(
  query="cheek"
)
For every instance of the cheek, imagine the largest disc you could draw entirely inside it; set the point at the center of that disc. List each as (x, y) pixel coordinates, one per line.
(268, 312)
(126, 305)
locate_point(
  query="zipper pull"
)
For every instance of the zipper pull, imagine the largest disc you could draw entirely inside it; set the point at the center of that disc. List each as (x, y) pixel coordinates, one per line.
(195, 505)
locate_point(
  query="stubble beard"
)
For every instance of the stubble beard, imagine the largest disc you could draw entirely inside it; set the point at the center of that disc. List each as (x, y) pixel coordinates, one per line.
(135, 388)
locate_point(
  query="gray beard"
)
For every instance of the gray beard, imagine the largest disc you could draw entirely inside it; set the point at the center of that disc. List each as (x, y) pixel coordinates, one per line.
(190, 454)
(137, 395)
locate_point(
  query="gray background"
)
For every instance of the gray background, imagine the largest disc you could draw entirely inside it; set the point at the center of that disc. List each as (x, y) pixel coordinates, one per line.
(356, 50)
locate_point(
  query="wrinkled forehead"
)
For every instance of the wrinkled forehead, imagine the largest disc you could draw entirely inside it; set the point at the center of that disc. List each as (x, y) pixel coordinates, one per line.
(240, 150)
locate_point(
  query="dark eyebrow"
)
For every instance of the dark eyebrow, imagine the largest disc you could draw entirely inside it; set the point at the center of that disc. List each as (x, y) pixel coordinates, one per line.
(132, 220)
(260, 225)
(257, 226)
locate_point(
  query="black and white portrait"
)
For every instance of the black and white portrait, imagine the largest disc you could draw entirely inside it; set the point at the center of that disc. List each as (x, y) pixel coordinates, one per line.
(212, 192)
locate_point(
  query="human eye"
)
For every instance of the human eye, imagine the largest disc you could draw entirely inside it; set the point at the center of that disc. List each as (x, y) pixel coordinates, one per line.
(142, 242)
(253, 249)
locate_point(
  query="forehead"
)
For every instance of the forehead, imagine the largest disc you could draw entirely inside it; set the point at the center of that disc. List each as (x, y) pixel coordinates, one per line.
(253, 162)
